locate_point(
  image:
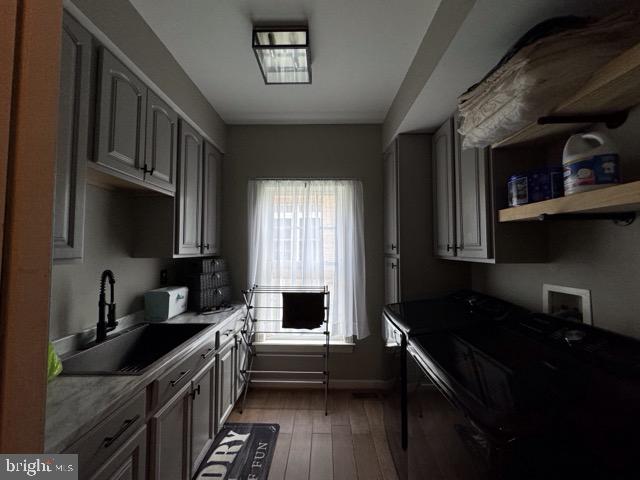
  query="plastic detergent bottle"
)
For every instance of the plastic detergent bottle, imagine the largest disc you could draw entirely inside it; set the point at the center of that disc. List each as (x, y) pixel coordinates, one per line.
(590, 161)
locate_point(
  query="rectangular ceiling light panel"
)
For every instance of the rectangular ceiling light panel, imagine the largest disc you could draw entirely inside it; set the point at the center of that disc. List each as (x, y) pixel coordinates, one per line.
(283, 54)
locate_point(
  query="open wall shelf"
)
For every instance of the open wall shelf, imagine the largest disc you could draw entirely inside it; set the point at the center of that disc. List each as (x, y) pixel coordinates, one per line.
(612, 89)
(618, 198)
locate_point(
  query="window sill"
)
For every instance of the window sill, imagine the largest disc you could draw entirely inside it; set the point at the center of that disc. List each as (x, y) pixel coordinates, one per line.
(301, 346)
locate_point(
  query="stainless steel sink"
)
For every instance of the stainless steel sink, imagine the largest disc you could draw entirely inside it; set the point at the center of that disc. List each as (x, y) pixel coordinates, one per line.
(132, 351)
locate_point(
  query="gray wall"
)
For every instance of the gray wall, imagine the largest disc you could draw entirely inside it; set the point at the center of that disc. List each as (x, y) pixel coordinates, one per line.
(596, 255)
(124, 26)
(109, 231)
(311, 151)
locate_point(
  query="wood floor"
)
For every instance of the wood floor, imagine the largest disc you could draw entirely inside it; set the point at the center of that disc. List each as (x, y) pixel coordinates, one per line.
(350, 443)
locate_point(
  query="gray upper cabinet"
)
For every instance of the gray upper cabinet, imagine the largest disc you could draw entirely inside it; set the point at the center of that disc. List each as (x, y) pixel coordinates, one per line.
(76, 60)
(122, 106)
(444, 191)
(391, 240)
(161, 143)
(189, 198)
(469, 186)
(211, 200)
(472, 202)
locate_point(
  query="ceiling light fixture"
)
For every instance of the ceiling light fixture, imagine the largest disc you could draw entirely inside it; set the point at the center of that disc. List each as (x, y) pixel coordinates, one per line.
(283, 54)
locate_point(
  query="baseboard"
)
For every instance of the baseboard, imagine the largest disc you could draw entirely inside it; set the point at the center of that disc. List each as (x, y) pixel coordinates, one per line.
(338, 384)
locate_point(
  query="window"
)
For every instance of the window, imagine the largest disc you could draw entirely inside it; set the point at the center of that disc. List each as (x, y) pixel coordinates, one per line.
(308, 233)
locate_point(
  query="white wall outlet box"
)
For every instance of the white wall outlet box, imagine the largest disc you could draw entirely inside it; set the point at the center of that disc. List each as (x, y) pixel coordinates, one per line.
(567, 302)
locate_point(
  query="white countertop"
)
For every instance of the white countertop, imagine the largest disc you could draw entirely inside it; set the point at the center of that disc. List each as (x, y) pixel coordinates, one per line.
(75, 404)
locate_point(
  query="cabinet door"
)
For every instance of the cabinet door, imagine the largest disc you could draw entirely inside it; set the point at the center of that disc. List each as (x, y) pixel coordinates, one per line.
(170, 436)
(443, 191)
(391, 280)
(189, 211)
(242, 352)
(202, 415)
(472, 187)
(160, 145)
(129, 462)
(391, 240)
(226, 387)
(73, 135)
(122, 106)
(211, 200)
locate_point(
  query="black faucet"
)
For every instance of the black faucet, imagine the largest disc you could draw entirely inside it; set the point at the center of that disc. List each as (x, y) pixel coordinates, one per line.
(106, 326)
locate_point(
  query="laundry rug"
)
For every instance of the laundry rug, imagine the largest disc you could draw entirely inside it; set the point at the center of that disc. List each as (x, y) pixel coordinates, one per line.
(241, 451)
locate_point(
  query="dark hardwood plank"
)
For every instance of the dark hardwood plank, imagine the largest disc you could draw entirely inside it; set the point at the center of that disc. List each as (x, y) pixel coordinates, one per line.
(321, 467)
(316, 399)
(387, 468)
(365, 455)
(257, 398)
(278, 467)
(300, 452)
(339, 407)
(276, 398)
(344, 464)
(321, 422)
(375, 416)
(358, 418)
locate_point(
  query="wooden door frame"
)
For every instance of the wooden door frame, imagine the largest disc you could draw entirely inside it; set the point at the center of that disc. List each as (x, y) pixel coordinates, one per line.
(31, 29)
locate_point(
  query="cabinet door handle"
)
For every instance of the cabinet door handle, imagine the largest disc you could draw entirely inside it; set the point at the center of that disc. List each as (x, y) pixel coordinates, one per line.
(147, 170)
(208, 353)
(393, 265)
(206, 246)
(394, 246)
(173, 383)
(448, 247)
(108, 441)
(196, 391)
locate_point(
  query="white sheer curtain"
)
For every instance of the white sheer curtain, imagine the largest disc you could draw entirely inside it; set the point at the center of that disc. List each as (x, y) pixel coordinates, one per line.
(311, 233)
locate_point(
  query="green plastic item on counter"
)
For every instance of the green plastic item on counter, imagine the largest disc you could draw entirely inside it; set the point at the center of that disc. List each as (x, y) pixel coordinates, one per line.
(54, 365)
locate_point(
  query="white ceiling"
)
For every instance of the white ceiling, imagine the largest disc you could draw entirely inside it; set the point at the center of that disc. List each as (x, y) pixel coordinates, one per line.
(360, 50)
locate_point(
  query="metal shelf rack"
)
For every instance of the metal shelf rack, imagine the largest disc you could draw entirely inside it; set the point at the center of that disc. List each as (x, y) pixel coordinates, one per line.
(249, 332)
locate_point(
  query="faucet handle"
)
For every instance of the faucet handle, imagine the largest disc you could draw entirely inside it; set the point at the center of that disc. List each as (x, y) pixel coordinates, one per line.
(111, 315)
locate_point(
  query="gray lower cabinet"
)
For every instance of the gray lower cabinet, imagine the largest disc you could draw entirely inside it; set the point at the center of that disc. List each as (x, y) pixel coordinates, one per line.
(203, 414)
(161, 149)
(170, 433)
(122, 107)
(76, 58)
(211, 200)
(444, 191)
(242, 351)
(189, 196)
(129, 462)
(226, 384)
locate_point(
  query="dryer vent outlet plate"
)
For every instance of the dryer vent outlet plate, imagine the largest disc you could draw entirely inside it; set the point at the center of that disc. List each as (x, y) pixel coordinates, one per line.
(567, 302)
